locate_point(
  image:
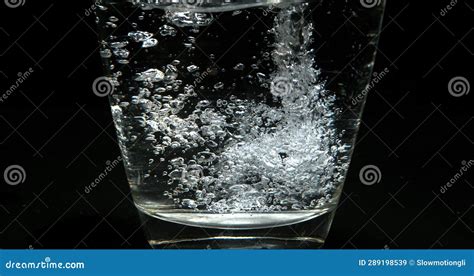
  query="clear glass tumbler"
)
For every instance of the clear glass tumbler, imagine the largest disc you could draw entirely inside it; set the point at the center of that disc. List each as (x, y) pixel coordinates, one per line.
(237, 118)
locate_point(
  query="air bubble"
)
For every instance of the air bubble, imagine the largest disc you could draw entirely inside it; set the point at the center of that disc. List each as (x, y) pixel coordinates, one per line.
(167, 30)
(192, 68)
(219, 85)
(239, 67)
(151, 42)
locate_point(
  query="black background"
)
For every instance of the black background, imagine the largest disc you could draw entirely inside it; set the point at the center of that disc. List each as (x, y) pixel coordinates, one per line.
(62, 135)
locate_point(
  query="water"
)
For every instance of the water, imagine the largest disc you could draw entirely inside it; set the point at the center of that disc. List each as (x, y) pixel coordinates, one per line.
(224, 116)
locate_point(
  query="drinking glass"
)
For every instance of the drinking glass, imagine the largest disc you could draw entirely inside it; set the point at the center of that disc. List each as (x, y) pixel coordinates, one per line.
(237, 118)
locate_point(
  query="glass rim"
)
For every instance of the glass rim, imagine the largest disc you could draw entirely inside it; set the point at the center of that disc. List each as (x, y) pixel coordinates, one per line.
(212, 5)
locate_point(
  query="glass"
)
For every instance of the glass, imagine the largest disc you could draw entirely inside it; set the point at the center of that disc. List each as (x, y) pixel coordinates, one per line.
(237, 119)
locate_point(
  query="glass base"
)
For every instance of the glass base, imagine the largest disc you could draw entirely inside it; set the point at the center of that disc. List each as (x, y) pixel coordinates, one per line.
(309, 234)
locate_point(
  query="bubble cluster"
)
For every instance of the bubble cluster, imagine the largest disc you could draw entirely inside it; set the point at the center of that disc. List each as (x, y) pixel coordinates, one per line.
(189, 19)
(234, 153)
